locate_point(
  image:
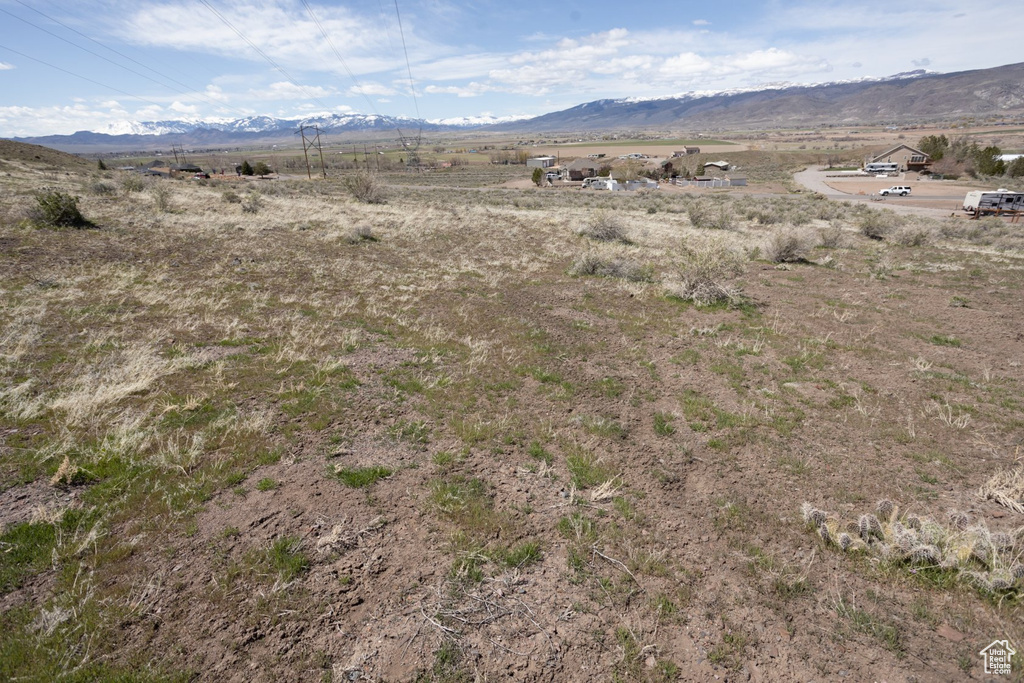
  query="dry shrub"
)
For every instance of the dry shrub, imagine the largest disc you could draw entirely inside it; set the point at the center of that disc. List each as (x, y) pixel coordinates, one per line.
(605, 227)
(832, 237)
(704, 273)
(788, 246)
(252, 203)
(161, 196)
(366, 187)
(914, 235)
(360, 233)
(705, 215)
(132, 182)
(591, 263)
(876, 224)
(102, 188)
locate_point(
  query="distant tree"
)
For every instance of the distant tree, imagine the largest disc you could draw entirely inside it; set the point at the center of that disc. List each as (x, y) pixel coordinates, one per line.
(261, 169)
(604, 171)
(100, 165)
(934, 146)
(629, 171)
(986, 162)
(1016, 168)
(963, 149)
(247, 169)
(538, 176)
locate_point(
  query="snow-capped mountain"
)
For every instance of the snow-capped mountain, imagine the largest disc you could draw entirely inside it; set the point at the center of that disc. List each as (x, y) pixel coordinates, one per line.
(777, 85)
(904, 98)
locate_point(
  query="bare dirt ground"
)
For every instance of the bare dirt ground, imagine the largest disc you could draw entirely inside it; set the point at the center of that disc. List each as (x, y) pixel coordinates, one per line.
(307, 438)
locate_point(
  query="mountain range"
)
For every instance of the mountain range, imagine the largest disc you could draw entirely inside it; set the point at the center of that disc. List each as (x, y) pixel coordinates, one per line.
(906, 98)
(914, 97)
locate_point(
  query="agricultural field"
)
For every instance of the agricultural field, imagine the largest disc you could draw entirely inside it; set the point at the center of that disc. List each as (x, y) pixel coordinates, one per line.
(365, 429)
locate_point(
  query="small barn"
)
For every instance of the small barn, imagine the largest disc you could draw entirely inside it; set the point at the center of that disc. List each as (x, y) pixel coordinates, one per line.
(540, 162)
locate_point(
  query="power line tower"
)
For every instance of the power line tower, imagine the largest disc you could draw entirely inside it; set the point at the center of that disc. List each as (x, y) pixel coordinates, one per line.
(179, 151)
(308, 144)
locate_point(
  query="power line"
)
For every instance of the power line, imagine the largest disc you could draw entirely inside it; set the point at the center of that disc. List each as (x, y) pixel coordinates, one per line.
(337, 54)
(366, 96)
(84, 78)
(412, 86)
(263, 54)
(187, 93)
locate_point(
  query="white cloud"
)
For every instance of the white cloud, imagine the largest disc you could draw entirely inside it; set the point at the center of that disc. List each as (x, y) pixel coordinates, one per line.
(701, 22)
(283, 31)
(4, 66)
(473, 89)
(186, 109)
(283, 90)
(371, 89)
(684, 64)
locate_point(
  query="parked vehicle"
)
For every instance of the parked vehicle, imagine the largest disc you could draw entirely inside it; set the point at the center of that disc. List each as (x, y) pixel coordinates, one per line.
(879, 167)
(598, 183)
(981, 202)
(901, 190)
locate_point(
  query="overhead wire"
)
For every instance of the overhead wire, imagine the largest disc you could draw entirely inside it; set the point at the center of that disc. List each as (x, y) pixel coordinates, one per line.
(84, 78)
(344, 64)
(412, 85)
(263, 54)
(190, 92)
(337, 54)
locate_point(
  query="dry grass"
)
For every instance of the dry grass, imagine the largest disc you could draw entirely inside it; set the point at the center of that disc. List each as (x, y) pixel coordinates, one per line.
(161, 366)
(1006, 487)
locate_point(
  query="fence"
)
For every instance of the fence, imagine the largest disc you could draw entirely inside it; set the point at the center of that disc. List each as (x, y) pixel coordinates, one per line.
(710, 182)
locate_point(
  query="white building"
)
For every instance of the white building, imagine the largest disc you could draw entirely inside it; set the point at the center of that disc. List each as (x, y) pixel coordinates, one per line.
(540, 162)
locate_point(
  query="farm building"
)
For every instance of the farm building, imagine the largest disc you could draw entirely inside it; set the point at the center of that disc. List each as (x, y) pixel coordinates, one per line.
(540, 162)
(720, 165)
(908, 158)
(686, 151)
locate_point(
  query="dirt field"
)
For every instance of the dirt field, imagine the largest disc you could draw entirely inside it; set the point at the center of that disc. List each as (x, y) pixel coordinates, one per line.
(502, 434)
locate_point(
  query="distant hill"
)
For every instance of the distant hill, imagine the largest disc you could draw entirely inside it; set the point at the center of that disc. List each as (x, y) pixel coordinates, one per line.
(915, 97)
(39, 157)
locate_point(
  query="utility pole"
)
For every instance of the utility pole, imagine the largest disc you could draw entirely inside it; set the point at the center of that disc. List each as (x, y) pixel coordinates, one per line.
(313, 140)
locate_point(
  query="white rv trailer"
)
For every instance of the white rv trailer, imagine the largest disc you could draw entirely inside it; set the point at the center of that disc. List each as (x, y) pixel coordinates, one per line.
(981, 202)
(879, 167)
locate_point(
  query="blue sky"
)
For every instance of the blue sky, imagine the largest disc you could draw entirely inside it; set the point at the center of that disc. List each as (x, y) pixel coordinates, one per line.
(84, 65)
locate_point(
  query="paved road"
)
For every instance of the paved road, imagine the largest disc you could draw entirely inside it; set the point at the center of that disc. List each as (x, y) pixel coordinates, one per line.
(814, 180)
